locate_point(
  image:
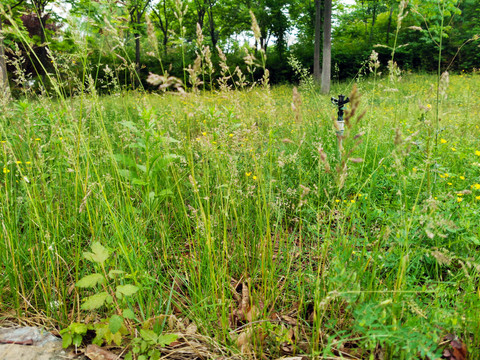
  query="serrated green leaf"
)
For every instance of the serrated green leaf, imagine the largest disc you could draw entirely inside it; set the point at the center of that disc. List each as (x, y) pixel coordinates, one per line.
(90, 281)
(170, 140)
(101, 331)
(77, 340)
(171, 157)
(166, 339)
(98, 255)
(137, 181)
(128, 314)
(155, 355)
(126, 174)
(78, 328)
(130, 125)
(165, 193)
(66, 340)
(125, 159)
(95, 301)
(97, 341)
(112, 274)
(149, 336)
(127, 290)
(474, 240)
(117, 338)
(115, 323)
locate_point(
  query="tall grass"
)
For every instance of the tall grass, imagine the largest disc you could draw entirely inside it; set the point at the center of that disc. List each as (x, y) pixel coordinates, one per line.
(205, 199)
(232, 211)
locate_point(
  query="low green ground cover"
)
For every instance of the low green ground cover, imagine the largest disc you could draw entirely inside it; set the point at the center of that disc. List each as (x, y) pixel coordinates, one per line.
(235, 214)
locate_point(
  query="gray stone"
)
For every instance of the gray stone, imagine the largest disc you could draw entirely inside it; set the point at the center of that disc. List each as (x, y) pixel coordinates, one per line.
(29, 343)
(50, 351)
(27, 336)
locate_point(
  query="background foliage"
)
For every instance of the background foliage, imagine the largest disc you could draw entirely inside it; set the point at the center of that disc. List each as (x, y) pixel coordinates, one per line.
(106, 32)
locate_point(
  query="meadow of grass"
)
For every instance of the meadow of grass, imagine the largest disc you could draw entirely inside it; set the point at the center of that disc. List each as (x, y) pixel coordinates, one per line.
(240, 223)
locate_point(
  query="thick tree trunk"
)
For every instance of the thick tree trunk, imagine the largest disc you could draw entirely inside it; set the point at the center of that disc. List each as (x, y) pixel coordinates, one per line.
(212, 26)
(327, 46)
(318, 32)
(4, 86)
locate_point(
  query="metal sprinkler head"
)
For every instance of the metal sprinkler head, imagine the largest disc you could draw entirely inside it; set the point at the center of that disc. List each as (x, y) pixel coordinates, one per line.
(340, 103)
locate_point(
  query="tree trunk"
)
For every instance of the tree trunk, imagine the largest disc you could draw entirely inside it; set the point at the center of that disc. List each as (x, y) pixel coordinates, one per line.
(163, 25)
(327, 46)
(318, 32)
(4, 86)
(137, 45)
(43, 49)
(389, 25)
(211, 21)
(165, 42)
(165, 33)
(373, 23)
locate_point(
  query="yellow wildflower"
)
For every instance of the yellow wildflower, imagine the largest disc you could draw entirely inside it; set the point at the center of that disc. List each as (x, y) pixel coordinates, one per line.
(204, 133)
(443, 141)
(254, 177)
(352, 201)
(462, 177)
(476, 186)
(6, 171)
(477, 197)
(414, 169)
(477, 152)
(459, 199)
(450, 184)
(453, 149)
(248, 173)
(337, 200)
(37, 139)
(231, 135)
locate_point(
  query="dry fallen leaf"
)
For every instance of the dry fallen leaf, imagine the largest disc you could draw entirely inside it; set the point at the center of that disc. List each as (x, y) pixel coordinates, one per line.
(191, 329)
(94, 352)
(458, 350)
(289, 320)
(244, 341)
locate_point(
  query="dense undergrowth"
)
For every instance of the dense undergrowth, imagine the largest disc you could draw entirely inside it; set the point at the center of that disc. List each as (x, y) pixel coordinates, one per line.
(235, 213)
